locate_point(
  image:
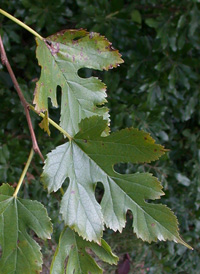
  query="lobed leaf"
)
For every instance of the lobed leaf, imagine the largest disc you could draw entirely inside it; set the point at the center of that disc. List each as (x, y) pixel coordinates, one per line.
(61, 56)
(79, 261)
(88, 159)
(20, 253)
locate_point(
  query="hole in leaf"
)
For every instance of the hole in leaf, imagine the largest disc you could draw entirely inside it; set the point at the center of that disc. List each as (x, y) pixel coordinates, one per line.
(99, 191)
(85, 72)
(121, 168)
(58, 95)
(77, 38)
(129, 218)
(65, 185)
(54, 113)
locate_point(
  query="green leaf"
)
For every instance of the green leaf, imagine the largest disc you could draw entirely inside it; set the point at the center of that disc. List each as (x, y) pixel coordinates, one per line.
(61, 56)
(4, 154)
(182, 179)
(79, 261)
(20, 253)
(88, 159)
(152, 23)
(136, 16)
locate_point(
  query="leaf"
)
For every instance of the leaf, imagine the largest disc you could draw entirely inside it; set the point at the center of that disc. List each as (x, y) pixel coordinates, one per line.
(136, 16)
(45, 123)
(152, 23)
(20, 253)
(182, 179)
(88, 159)
(61, 56)
(79, 261)
(4, 154)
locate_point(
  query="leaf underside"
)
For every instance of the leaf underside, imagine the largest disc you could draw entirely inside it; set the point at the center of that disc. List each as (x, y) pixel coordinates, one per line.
(79, 260)
(61, 56)
(88, 159)
(20, 253)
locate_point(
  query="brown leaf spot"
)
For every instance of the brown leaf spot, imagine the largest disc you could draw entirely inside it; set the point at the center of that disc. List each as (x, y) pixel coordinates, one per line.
(73, 58)
(85, 141)
(48, 43)
(145, 138)
(155, 149)
(153, 224)
(72, 192)
(53, 48)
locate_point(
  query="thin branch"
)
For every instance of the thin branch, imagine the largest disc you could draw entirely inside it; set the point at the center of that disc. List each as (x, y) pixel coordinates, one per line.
(21, 24)
(30, 157)
(22, 99)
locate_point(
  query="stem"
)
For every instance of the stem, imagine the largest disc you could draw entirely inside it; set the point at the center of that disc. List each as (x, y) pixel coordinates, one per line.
(21, 24)
(22, 99)
(52, 123)
(23, 173)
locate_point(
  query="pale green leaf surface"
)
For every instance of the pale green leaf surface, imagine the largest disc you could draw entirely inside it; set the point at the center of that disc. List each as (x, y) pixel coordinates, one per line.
(79, 261)
(61, 56)
(20, 253)
(88, 159)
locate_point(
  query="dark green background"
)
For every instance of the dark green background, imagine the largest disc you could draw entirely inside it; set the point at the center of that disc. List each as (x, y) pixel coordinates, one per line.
(156, 89)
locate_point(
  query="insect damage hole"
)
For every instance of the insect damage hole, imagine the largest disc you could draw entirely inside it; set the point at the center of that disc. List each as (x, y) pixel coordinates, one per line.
(54, 112)
(86, 72)
(99, 192)
(77, 38)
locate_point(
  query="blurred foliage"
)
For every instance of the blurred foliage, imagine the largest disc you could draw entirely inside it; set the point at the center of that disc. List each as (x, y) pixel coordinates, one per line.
(156, 89)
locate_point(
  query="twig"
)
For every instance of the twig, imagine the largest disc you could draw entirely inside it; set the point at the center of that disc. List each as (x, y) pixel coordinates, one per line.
(25, 104)
(30, 157)
(21, 24)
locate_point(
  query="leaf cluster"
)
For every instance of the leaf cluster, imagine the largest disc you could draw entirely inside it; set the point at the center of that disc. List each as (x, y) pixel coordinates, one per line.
(156, 90)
